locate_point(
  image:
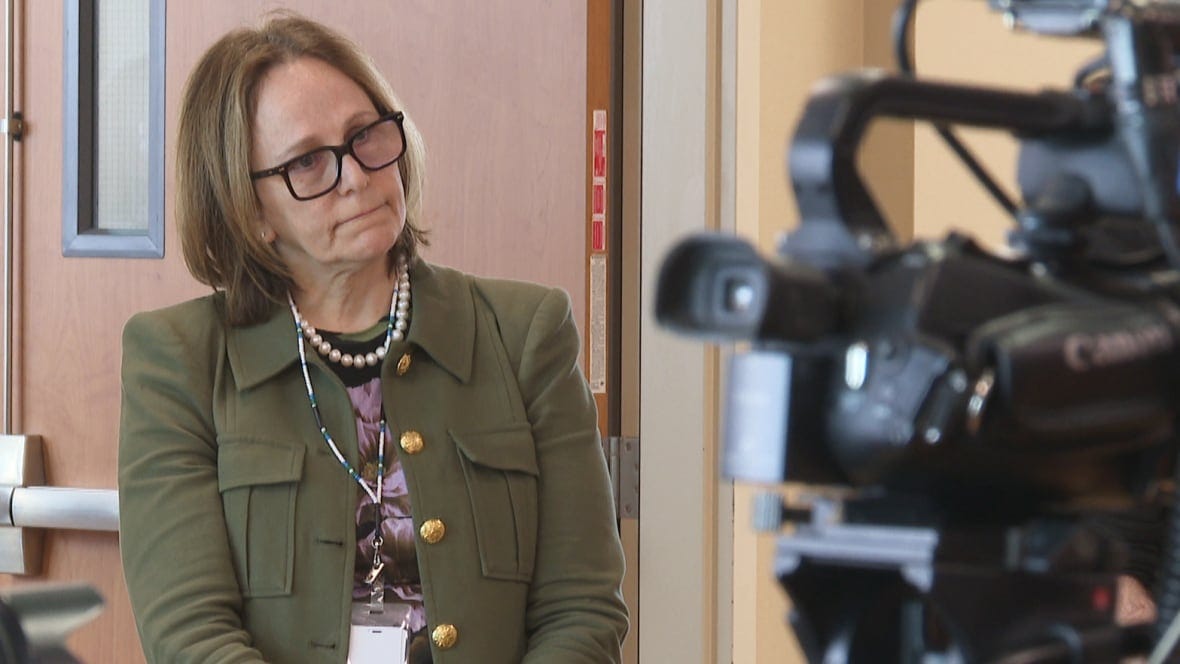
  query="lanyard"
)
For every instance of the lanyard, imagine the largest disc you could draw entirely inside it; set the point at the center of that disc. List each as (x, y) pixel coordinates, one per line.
(375, 496)
(373, 578)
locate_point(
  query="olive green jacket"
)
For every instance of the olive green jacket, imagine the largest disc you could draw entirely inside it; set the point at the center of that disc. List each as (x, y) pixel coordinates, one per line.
(238, 526)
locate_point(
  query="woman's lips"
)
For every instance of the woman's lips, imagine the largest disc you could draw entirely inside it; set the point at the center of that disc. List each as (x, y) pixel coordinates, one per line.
(360, 215)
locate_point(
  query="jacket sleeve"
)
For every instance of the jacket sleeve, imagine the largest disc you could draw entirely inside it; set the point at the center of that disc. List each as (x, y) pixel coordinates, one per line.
(575, 608)
(176, 555)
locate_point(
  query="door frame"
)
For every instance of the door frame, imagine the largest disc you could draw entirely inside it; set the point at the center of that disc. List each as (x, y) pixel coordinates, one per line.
(685, 544)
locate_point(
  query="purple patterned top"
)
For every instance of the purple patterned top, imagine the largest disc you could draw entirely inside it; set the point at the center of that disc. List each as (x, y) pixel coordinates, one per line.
(402, 580)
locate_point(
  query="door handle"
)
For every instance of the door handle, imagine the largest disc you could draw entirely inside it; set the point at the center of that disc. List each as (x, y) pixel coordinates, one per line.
(55, 507)
(27, 507)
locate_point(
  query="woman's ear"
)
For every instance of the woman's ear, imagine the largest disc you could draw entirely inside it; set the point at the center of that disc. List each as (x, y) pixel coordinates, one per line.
(265, 233)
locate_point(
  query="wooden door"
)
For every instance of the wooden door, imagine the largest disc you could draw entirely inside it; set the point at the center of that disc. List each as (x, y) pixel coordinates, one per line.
(498, 89)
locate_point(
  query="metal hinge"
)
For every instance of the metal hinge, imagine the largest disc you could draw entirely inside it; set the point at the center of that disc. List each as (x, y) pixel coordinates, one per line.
(623, 456)
(14, 126)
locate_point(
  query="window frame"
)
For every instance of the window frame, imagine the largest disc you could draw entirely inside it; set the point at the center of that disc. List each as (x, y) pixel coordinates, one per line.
(80, 237)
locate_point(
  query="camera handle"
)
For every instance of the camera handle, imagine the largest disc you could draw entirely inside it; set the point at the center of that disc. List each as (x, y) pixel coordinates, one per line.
(841, 224)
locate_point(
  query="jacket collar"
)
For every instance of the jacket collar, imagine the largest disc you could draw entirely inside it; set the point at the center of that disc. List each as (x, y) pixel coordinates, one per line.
(442, 324)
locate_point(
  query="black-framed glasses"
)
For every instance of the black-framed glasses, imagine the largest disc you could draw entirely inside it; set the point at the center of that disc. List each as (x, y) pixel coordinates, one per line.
(315, 173)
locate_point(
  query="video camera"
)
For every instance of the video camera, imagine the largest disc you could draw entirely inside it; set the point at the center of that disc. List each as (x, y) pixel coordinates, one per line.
(36, 620)
(984, 435)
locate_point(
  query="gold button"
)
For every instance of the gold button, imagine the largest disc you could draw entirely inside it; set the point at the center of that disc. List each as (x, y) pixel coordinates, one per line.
(403, 365)
(432, 531)
(445, 636)
(412, 442)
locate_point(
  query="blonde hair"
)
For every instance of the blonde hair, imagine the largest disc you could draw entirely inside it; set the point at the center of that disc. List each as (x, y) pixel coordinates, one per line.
(216, 205)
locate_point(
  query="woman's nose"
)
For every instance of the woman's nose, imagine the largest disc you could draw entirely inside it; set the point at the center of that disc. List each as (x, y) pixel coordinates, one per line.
(353, 176)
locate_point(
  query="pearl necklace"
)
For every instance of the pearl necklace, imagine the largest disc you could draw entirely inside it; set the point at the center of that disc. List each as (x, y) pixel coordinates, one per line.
(395, 330)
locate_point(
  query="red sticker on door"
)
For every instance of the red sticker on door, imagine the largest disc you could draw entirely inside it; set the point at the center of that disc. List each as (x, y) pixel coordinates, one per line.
(598, 184)
(599, 145)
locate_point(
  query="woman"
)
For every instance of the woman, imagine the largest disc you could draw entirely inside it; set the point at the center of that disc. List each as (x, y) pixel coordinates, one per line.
(432, 461)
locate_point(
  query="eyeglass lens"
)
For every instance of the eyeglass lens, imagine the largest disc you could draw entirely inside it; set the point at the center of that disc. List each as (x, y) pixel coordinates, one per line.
(316, 172)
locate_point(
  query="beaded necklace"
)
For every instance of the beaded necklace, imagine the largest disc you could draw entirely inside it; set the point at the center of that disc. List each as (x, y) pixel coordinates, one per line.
(392, 329)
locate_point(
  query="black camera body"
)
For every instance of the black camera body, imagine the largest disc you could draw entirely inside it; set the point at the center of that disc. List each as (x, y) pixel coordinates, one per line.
(952, 373)
(968, 411)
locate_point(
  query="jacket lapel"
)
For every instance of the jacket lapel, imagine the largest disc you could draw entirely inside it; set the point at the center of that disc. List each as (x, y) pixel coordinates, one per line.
(258, 352)
(442, 323)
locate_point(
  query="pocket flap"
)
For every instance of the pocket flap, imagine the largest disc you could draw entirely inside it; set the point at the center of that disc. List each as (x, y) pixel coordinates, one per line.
(250, 462)
(502, 449)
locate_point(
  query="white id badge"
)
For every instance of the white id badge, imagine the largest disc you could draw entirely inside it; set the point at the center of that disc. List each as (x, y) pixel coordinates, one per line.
(379, 637)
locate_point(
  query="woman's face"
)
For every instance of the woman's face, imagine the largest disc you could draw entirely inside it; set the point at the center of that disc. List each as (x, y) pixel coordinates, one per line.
(302, 105)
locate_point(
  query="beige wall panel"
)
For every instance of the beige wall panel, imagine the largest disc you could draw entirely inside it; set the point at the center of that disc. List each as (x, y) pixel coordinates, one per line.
(800, 42)
(887, 155)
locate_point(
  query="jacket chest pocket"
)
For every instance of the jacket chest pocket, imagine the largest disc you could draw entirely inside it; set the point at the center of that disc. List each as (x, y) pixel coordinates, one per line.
(500, 469)
(258, 482)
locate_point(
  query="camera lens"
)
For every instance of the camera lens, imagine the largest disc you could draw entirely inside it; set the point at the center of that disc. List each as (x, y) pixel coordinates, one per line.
(739, 295)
